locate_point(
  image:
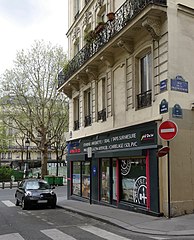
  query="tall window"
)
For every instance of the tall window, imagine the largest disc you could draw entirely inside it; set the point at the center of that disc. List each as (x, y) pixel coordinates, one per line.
(87, 107)
(145, 81)
(146, 70)
(76, 113)
(76, 8)
(101, 94)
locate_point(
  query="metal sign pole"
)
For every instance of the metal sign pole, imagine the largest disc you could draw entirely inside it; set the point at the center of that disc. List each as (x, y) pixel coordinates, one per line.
(168, 159)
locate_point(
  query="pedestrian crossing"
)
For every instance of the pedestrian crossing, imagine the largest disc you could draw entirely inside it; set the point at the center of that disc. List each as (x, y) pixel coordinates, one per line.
(102, 233)
(8, 203)
(56, 234)
(11, 236)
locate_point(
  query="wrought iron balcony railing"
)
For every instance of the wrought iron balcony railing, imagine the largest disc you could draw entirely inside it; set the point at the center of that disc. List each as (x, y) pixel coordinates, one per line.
(144, 99)
(102, 115)
(122, 17)
(88, 120)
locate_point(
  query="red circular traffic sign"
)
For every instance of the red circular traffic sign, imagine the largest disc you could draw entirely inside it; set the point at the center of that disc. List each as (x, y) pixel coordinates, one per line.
(163, 151)
(167, 130)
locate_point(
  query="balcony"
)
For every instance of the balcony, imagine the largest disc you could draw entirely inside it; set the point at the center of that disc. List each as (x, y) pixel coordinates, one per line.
(123, 16)
(144, 99)
(102, 115)
(88, 121)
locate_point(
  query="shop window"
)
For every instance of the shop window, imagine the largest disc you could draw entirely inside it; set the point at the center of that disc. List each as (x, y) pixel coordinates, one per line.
(105, 180)
(86, 179)
(76, 178)
(144, 98)
(87, 108)
(133, 180)
(76, 113)
(101, 94)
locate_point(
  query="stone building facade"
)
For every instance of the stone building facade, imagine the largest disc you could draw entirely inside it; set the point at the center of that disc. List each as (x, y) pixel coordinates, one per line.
(127, 75)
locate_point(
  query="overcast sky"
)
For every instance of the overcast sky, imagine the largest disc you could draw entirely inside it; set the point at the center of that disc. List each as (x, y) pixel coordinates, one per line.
(23, 21)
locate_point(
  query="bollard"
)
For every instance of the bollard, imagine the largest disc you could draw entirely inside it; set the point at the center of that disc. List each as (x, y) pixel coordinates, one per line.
(11, 185)
(3, 185)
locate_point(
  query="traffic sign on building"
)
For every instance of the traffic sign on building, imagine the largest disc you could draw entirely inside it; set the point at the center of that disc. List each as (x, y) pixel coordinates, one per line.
(167, 130)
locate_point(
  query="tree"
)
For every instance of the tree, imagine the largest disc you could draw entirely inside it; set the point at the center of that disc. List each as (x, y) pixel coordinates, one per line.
(35, 108)
(4, 138)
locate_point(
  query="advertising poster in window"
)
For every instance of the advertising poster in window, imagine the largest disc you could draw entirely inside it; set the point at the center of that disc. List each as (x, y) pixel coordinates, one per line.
(133, 177)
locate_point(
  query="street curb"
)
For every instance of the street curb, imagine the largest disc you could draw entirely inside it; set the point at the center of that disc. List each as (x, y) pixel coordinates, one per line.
(126, 226)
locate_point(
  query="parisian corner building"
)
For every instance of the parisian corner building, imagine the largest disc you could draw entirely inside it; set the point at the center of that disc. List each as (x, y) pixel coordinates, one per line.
(131, 69)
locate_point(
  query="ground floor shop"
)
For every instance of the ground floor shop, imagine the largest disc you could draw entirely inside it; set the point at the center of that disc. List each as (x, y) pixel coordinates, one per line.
(117, 168)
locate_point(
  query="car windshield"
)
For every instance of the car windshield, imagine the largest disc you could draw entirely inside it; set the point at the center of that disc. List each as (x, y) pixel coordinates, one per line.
(35, 185)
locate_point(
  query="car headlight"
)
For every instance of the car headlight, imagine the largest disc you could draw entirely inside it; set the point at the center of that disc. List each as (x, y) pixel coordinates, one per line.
(28, 194)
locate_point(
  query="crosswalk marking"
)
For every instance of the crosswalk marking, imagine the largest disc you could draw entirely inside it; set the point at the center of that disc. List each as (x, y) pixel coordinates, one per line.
(103, 233)
(11, 236)
(55, 234)
(160, 238)
(8, 203)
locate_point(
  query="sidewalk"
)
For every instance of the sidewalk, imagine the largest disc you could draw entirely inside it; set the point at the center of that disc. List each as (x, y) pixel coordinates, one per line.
(136, 222)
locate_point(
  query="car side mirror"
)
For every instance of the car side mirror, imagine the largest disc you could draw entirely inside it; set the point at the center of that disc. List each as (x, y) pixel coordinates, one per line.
(53, 187)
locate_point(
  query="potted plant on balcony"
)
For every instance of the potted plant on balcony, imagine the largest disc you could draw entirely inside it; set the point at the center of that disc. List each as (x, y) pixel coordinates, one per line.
(111, 16)
(99, 27)
(90, 36)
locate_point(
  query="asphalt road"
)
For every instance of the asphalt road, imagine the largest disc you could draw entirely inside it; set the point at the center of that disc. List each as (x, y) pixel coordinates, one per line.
(57, 224)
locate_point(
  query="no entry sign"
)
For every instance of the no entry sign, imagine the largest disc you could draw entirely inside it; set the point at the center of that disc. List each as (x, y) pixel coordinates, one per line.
(167, 130)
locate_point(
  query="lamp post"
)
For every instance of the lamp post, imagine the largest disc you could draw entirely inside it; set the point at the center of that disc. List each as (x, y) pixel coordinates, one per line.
(57, 155)
(27, 144)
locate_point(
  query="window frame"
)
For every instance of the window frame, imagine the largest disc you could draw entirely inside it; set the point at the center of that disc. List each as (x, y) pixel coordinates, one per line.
(143, 99)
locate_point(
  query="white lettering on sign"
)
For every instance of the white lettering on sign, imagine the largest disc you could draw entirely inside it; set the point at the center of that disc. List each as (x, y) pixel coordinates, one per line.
(167, 130)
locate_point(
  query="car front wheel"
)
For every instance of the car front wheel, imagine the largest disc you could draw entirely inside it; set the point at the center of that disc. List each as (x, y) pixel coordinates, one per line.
(53, 205)
(24, 204)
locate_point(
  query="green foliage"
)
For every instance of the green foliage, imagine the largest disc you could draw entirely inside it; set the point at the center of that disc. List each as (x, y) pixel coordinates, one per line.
(90, 36)
(4, 138)
(5, 174)
(34, 106)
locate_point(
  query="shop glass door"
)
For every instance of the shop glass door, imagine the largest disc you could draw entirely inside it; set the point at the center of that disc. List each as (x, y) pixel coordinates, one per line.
(105, 180)
(114, 180)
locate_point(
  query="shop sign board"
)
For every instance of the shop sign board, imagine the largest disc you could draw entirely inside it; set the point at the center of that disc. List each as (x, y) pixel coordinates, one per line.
(126, 138)
(167, 130)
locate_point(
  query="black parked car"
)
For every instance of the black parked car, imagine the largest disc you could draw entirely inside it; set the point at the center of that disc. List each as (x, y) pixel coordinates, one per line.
(35, 191)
